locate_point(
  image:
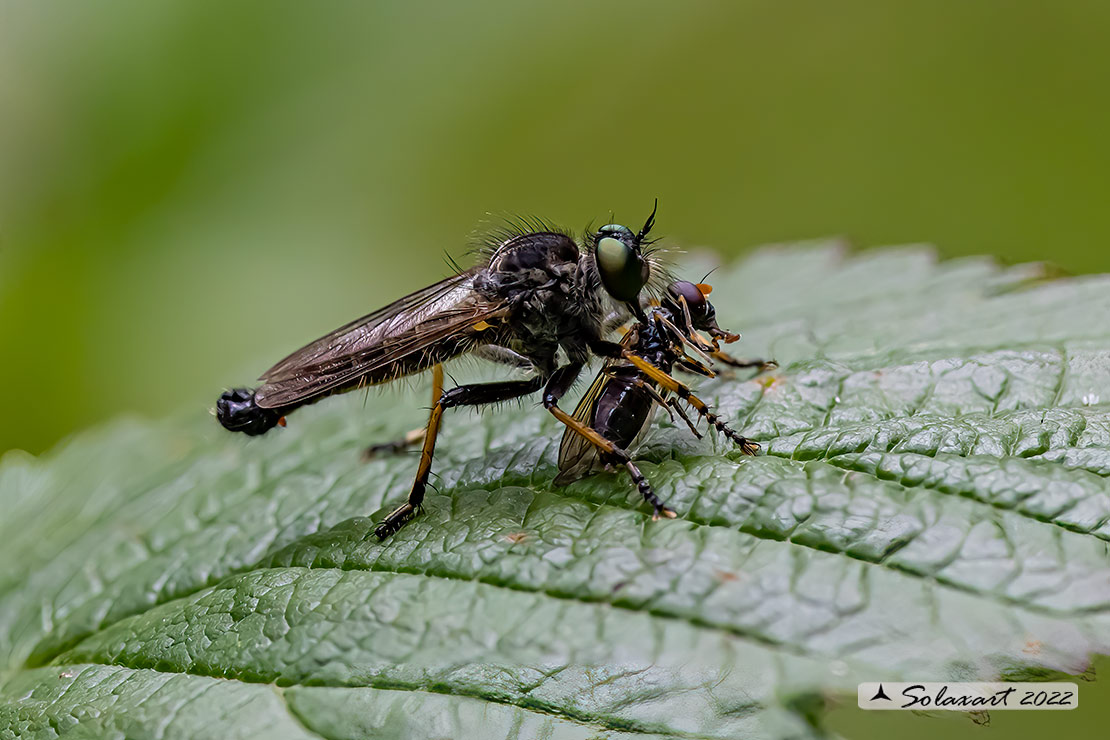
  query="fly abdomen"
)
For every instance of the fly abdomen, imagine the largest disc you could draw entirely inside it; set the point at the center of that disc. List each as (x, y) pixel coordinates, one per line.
(238, 411)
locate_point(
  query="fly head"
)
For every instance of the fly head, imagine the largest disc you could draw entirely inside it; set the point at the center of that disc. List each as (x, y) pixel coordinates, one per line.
(621, 265)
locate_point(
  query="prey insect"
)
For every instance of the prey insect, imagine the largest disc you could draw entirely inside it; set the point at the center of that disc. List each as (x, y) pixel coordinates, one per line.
(619, 404)
(536, 294)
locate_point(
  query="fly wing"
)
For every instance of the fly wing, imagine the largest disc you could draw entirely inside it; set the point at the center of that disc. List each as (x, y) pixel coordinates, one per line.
(407, 336)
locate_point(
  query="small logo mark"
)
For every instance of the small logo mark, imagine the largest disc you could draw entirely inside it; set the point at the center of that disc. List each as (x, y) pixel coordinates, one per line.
(880, 694)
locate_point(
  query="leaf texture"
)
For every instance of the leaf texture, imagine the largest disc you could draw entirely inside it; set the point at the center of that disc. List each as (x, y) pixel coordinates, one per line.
(933, 504)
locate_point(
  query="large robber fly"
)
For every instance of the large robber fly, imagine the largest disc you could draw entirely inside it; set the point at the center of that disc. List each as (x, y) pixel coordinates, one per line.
(620, 403)
(535, 292)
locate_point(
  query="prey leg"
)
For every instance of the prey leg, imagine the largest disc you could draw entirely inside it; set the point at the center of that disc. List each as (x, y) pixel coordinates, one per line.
(398, 445)
(560, 382)
(691, 365)
(463, 395)
(416, 435)
(672, 402)
(649, 389)
(683, 391)
(669, 404)
(726, 359)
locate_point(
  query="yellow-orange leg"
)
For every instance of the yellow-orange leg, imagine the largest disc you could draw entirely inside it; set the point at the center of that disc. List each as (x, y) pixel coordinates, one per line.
(414, 436)
(410, 508)
(646, 387)
(463, 395)
(619, 454)
(680, 389)
(691, 365)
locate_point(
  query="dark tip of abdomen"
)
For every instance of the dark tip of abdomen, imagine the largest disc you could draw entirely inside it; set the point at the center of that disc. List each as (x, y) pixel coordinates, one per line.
(238, 412)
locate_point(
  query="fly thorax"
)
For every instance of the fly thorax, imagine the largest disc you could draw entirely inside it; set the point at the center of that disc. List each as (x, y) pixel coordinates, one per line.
(589, 301)
(539, 250)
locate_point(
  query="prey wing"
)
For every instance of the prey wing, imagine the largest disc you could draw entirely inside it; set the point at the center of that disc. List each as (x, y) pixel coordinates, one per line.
(578, 457)
(409, 335)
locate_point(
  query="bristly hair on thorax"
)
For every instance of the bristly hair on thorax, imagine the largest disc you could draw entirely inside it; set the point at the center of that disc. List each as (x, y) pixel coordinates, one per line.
(496, 229)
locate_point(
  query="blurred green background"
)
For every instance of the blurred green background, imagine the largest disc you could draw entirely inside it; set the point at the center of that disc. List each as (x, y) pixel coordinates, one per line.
(190, 190)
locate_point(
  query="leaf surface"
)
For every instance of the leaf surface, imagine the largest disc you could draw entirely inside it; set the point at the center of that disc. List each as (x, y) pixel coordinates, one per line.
(933, 504)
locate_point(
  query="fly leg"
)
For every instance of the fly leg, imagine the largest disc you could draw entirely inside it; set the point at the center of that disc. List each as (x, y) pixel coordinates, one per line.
(649, 389)
(669, 404)
(683, 391)
(416, 435)
(672, 402)
(557, 386)
(666, 404)
(410, 438)
(464, 395)
(692, 366)
(727, 359)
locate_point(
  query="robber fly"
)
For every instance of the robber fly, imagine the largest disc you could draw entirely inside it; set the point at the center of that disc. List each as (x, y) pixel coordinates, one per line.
(535, 291)
(619, 404)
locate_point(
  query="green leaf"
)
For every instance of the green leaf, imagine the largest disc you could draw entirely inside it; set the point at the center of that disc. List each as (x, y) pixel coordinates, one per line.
(933, 505)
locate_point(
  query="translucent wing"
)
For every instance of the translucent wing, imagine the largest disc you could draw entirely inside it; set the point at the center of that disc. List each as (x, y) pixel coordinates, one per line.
(409, 335)
(577, 457)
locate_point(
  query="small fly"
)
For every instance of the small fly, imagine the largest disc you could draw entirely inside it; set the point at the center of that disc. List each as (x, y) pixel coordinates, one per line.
(536, 293)
(619, 404)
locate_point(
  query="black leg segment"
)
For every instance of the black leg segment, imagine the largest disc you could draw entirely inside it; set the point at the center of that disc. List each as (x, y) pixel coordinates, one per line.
(478, 394)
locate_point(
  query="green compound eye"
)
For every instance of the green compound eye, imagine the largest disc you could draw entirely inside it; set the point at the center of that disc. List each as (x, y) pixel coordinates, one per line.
(622, 269)
(612, 254)
(617, 231)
